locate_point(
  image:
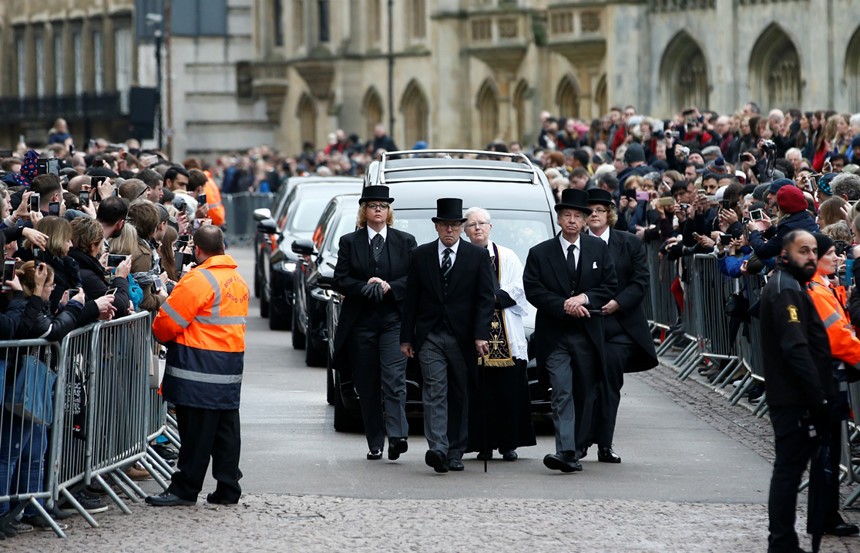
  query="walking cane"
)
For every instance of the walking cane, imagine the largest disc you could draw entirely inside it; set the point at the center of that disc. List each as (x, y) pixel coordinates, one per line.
(481, 381)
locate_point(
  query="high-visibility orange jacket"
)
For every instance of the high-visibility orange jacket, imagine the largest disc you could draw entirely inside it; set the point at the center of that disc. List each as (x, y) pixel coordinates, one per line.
(844, 345)
(203, 324)
(213, 200)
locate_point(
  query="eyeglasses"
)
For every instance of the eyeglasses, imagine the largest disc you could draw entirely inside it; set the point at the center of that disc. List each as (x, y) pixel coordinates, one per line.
(377, 206)
(477, 224)
(599, 210)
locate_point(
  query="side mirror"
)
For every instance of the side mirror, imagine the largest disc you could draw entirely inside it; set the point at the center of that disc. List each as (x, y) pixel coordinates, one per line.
(267, 226)
(325, 282)
(303, 246)
(262, 213)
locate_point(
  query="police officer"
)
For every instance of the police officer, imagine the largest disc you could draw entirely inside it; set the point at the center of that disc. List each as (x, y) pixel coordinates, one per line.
(203, 325)
(800, 384)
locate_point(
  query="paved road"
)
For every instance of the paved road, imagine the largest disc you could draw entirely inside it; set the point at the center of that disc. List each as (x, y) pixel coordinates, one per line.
(683, 486)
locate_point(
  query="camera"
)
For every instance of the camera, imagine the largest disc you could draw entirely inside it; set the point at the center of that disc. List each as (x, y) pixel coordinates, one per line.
(685, 151)
(725, 204)
(38, 254)
(756, 215)
(73, 292)
(54, 208)
(725, 239)
(115, 259)
(201, 199)
(8, 272)
(179, 263)
(48, 165)
(84, 197)
(35, 201)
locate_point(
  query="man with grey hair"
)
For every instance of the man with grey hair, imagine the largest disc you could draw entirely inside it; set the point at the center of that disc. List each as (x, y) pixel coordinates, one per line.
(795, 157)
(846, 186)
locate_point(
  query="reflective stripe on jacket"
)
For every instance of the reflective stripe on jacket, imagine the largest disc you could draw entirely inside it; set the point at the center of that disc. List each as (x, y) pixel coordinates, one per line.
(844, 345)
(203, 324)
(213, 200)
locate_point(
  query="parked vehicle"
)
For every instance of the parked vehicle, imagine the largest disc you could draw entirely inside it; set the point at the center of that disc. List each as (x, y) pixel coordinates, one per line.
(314, 273)
(520, 201)
(301, 211)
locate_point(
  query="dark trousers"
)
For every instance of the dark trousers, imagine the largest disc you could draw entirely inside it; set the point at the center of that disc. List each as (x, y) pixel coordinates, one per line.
(794, 449)
(618, 354)
(207, 433)
(572, 373)
(445, 394)
(379, 374)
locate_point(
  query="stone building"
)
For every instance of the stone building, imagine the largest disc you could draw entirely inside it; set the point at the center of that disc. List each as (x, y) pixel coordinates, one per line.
(467, 72)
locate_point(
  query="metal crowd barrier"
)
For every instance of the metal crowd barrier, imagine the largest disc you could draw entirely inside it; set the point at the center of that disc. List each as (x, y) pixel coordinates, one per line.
(239, 209)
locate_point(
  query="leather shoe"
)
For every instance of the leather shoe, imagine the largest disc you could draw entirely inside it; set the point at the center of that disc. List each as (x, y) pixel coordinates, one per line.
(168, 499)
(436, 460)
(396, 446)
(218, 499)
(509, 454)
(843, 529)
(485, 455)
(455, 465)
(606, 455)
(564, 461)
(374, 455)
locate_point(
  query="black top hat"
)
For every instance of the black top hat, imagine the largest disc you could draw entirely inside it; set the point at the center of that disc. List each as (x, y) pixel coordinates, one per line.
(377, 193)
(571, 198)
(449, 209)
(600, 196)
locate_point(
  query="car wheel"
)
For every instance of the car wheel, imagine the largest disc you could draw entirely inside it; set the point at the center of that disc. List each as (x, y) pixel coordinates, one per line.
(264, 304)
(280, 317)
(314, 356)
(298, 335)
(258, 287)
(329, 381)
(344, 420)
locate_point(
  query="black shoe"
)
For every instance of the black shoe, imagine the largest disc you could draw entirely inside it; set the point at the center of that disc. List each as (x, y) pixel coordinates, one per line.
(435, 459)
(456, 465)
(167, 499)
(564, 461)
(485, 455)
(218, 499)
(606, 455)
(396, 446)
(374, 455)
(842, 530)
(509, 454)
(165, 452)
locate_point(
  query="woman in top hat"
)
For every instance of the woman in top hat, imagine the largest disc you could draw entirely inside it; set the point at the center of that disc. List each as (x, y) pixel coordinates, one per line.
(371, 274)
(629, 346)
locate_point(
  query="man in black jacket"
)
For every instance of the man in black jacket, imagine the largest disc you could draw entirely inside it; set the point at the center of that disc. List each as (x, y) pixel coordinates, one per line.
(446, 321)
(568, 278)
(629, 345)
(800, 384)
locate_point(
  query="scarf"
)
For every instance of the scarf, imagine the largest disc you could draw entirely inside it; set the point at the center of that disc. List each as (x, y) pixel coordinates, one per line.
(500, 348)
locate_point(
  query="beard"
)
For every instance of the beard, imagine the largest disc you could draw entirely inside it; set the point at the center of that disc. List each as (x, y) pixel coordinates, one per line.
(803, 273)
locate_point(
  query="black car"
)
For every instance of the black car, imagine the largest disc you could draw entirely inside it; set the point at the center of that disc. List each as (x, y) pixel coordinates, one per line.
(521, 203)
(317, 260)
(303, 206)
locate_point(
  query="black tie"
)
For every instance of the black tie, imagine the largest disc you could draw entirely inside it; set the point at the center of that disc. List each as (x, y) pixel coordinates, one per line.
(376, 246)
(571, 259)
(446, 262)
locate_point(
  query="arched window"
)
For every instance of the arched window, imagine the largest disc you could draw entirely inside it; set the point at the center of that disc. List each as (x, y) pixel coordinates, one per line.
(417, 19)
(601, 96)
(371, 108)
(852, 72)
(775, 70)
(683, 75)
(416, 115)
(487, 103)
(306, 112)
(567, 97)
(520, 95)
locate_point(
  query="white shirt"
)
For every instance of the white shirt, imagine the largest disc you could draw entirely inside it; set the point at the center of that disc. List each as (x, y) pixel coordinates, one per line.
(565, 244)
(604, 236)
(441, 250)
(371, 233)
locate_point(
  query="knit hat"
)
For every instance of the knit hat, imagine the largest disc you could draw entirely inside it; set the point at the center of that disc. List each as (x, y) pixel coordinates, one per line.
(824, 243)
(760, 191)
(791, 200)
(717, 166)
(29, 167)
(824, 183)
(779, 183)
(634, 153)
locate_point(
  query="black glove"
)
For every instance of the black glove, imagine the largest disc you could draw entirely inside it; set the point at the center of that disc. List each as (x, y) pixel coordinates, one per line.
(373, 292)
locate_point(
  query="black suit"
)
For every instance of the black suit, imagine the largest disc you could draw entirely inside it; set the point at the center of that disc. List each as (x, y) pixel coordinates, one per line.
(629, 345)
(571, 349)
(371, 331)
(442, 318)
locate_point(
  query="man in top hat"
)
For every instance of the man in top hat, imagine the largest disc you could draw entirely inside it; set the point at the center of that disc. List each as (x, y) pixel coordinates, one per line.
(629, 346)
(446, 322)
(371, 272)
(569, 278)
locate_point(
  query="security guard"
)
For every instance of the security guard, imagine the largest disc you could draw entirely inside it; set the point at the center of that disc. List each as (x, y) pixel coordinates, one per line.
(203, 324)
(800, 386)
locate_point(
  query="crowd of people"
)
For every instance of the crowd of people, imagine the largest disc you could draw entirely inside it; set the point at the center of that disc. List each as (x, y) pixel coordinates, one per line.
(92, 235)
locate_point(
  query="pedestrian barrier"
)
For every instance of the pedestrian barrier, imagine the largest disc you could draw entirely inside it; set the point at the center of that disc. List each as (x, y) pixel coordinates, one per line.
(239, 215)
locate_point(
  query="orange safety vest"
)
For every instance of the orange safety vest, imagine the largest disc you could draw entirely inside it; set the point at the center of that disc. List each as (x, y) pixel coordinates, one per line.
(213, 200)
(203, 324)
(844, 345)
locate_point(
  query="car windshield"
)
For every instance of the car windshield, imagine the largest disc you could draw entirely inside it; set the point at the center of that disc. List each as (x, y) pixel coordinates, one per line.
(306, 213)
(517, 230)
